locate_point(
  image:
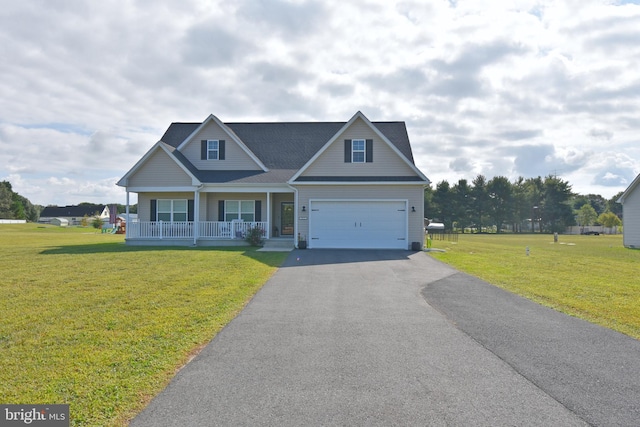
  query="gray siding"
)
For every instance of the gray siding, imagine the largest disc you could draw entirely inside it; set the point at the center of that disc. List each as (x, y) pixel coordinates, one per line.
(385, 161)
(631, 218)
(235, 157)
(160, 171)
(414, 194)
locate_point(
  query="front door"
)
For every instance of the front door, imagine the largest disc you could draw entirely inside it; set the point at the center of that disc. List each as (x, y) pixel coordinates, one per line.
(286, 218)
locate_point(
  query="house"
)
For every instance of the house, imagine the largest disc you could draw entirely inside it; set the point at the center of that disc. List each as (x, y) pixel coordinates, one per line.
(347, 184)
(73, 214)
(630, 200)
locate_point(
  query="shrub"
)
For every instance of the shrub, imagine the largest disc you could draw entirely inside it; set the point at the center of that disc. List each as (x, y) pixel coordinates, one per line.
(254, 236)
(97, 223)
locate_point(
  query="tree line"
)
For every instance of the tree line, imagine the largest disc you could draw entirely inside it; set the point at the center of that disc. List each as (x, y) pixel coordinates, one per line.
(523, 205)
(15, 206)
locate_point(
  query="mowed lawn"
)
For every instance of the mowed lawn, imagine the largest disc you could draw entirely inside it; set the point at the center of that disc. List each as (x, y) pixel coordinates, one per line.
(88, 321)
(591, 277)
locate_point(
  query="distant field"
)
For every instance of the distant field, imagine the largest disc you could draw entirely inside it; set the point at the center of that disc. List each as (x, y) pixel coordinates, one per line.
(591, 277)
(88, 321)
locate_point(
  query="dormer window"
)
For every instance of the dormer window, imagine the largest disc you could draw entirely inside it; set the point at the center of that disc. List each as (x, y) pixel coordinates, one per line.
(213, 149)
(357, 151)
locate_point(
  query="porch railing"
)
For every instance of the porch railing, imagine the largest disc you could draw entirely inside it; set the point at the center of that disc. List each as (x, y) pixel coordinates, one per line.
(183, 230)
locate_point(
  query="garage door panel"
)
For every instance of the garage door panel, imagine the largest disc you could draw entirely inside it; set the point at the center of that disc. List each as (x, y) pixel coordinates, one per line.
(358, 224)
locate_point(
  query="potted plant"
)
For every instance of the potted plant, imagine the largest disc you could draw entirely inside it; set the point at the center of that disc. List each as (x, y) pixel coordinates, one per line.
(302, 242)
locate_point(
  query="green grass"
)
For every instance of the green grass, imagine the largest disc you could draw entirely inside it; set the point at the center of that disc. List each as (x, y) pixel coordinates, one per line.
(88, 321)
(591, 277)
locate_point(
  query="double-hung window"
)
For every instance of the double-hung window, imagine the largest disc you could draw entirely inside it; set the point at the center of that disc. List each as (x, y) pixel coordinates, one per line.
(358, 151)
(239, 210)
(172, 210)
(213, 149)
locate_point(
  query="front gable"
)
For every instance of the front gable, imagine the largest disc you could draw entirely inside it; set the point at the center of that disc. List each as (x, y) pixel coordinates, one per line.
(630, 190)
(158, 168)
(359, 150)
(230, 153)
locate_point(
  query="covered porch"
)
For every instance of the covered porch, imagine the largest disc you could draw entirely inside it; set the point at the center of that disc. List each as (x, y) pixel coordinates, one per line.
(212, 216)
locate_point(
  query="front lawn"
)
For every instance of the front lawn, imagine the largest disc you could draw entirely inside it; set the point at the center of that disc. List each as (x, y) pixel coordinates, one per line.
(102, 326)
(592, 277)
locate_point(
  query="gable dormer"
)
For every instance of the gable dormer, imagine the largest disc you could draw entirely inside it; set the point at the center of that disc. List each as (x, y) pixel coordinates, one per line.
(213, 146)
(359, 149)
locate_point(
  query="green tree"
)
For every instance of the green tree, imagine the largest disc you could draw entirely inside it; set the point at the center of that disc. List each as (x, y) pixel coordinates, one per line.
(521, 205)
(613, 205)
(556, 213)
(443, 204)
(587, 215)
(6, 200)
(428, 202)
(597, 202)
(609, 219)
(15, 206)
(480, 200)
(534, 194)
(462, 206)
(500, 200)
(97, 223)
(17, 209)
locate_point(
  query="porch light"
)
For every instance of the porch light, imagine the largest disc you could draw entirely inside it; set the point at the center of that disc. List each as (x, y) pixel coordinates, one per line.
(304, 209)
(413, 208)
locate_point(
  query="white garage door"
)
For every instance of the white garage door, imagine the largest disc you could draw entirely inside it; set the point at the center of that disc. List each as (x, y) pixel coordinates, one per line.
(358, 224)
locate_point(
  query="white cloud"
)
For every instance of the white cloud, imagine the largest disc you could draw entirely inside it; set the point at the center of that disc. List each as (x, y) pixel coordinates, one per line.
(529, 87)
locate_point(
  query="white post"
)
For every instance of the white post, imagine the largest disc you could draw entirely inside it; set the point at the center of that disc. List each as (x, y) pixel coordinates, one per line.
(196, 216)
(268, 230)
(128, 220)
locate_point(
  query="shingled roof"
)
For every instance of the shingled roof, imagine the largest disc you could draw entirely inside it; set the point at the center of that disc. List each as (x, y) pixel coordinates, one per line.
(69, 211)
(299, 140)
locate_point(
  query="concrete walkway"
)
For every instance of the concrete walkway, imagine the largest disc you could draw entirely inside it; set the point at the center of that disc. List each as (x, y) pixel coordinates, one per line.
(348, 338)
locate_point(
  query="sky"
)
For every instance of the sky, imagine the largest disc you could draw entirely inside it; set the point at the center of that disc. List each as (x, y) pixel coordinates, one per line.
(520, 88)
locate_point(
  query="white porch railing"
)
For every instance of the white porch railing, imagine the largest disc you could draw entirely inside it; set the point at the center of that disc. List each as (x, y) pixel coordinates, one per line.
(182, 230)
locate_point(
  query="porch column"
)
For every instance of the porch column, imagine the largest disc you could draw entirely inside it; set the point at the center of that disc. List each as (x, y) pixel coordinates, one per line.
(268, 230)
(295, 218)
(196, 216)
(127, 220)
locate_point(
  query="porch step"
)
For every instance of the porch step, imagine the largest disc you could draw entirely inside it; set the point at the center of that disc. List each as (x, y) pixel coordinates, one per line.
(277, 245)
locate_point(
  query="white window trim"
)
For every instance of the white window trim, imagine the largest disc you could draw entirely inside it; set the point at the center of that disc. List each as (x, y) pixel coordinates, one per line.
(173, 211)
(210, 150)
(240, 212)
(363, 151)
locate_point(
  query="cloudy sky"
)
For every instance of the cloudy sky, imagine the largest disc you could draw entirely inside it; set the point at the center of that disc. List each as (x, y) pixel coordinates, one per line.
(520, 88)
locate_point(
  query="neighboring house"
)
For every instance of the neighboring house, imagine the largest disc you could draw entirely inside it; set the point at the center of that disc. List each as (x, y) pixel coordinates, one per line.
(73, 214)
(630, 200)
(333, 184)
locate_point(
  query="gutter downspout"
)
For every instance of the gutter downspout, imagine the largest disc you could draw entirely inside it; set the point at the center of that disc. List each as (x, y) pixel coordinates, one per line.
(295, 215)
(268, 230)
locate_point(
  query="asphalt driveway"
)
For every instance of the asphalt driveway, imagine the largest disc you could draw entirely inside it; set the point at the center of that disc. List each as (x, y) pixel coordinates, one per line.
(378, 338)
